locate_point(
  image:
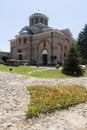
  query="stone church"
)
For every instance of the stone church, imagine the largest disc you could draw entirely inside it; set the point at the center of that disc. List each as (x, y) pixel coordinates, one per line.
(39, 42)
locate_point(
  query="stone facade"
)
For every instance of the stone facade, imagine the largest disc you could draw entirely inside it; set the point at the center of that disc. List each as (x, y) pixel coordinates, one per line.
(39, 42)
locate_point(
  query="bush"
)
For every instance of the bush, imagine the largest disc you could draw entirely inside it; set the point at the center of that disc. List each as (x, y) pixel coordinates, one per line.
(74, 72)
(57, 66)
(33, 62)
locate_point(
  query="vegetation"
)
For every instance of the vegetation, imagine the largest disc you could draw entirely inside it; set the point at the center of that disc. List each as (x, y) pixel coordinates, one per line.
(50, 73)
(72, 60)
(82, 41)
(38, 72)
(25, 70)
(45, 99)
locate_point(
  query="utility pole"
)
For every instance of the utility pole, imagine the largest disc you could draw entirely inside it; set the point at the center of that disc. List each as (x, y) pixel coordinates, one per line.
(52, 47)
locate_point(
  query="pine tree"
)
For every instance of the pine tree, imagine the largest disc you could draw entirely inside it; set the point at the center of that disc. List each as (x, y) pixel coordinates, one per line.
(72, 60)
(82, 41)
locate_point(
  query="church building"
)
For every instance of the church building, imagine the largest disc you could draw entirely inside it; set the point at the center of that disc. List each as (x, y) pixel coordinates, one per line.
(39, 42)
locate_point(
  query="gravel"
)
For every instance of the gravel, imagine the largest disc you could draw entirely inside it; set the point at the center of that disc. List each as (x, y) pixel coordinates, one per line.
(14, 99)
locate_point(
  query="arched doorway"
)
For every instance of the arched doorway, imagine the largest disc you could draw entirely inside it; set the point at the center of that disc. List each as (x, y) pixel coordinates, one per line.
(19, 55)
(44, 57)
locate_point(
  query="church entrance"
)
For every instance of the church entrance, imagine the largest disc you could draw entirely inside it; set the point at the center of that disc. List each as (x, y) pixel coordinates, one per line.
(44, 57)
(19, 55)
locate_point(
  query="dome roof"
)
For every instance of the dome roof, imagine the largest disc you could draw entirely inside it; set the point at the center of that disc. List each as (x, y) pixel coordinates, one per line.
(38, 15)
(38, 18)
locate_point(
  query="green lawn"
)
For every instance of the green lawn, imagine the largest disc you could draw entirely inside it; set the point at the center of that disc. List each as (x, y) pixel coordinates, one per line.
(19, 69)
(49, 73)
(35, 71)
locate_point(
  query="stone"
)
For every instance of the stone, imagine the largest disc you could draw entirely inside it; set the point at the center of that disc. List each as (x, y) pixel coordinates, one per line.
(14, 99)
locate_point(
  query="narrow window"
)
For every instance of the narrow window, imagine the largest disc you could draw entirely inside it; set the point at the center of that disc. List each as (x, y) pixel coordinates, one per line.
(25, 40)
(19, 41)
(44, 44)
(41, 20)
(32, 21)
(36, 20)
(45, 22)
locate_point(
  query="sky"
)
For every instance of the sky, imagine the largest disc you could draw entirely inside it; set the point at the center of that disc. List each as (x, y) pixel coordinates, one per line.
(62, 14)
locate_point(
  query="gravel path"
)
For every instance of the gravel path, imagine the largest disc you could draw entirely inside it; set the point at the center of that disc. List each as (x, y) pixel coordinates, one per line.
(14, 98)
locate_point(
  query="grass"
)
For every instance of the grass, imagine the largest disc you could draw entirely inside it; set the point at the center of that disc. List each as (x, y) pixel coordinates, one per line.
(50, 73)
(38, 72)
(47, 99)
(25, 70)
(34, 71)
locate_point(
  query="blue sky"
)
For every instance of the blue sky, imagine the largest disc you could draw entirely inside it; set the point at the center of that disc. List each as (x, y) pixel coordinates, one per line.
(62, 14)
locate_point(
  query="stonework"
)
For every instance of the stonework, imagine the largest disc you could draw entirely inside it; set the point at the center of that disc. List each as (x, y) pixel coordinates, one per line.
(39, 42)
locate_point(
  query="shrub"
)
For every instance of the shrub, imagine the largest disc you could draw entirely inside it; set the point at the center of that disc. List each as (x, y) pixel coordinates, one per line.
(72, 60)
(57, 66)
(33, 62)
(74, 72)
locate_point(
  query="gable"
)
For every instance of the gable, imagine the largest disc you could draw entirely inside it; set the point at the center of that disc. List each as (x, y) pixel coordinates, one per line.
(67, 32)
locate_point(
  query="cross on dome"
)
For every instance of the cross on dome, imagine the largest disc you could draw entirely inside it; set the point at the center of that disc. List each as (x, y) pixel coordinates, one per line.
(39, 11)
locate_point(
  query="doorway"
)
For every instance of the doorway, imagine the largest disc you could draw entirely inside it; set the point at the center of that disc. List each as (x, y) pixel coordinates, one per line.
(20, 57)
(19, 54)
(44, 59)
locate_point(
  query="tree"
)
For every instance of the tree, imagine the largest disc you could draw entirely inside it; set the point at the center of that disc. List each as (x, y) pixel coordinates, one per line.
(4, 58)
(72, 60)
(82, 41)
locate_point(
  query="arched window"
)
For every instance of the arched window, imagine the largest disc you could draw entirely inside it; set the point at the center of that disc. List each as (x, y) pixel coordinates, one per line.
(19, 41)
(45, 22)
(44, 52)
(44, 44)
(36, 20)
(42, 20)
(25, 40)
(32, 21)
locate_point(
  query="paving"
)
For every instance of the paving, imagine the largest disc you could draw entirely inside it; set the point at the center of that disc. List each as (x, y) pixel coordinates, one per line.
(14, 99)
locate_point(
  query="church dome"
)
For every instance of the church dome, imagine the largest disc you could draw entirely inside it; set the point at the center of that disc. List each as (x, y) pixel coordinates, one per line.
(38, 18)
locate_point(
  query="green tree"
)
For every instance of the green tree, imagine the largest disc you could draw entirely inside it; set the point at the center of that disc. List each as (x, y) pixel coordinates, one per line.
(72, 60)
(82, 41)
